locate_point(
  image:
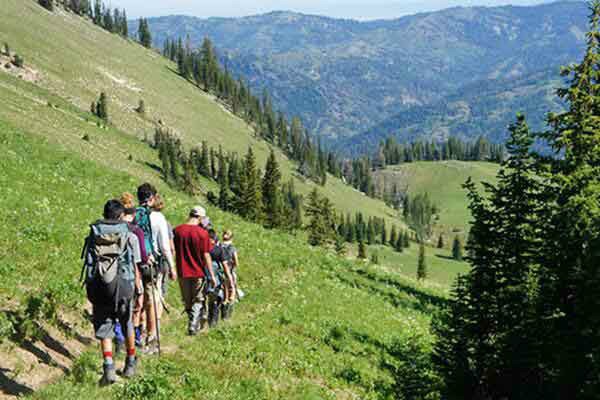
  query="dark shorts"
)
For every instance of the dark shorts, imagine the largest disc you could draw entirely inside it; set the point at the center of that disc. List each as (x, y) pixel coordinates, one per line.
(105, 318)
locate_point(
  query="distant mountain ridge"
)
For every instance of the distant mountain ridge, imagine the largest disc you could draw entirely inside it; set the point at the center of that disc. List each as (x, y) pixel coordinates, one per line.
(355, 82)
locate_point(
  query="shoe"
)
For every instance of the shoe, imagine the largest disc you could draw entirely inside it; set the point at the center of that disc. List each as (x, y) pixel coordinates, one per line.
(213, 318)
(204, 326)
(151, 346)
(119, 347)
(227, 311)
(109, 375)
(130, 367)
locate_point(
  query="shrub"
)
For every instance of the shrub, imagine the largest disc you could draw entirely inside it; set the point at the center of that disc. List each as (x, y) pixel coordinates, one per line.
(18, 61)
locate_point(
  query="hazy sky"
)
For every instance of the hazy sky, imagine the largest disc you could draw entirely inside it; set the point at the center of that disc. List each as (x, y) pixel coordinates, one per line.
(357, 9)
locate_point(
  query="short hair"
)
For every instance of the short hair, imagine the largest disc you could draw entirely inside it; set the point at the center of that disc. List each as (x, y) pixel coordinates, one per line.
(127, 200)
(227, 235)
(145, 192)
(130, 211)
(213, 235)
(113, 209)
(159, 202)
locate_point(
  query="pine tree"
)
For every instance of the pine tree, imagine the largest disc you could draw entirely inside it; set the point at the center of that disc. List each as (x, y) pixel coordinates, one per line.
(375, 258)
(102, 107)
(340, 246)
(399, 245)
(568, 305)
(457, 249)
(362, 250)
(144, 34)
(271, 194)
(223, 180)
(406, 240)
(249, 204)
(422, 263)
(141, 108)
(393, 236)
(440, 243)
(47, 4)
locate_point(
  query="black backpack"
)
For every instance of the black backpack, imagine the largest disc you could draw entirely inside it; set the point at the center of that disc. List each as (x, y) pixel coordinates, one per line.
(109, 265)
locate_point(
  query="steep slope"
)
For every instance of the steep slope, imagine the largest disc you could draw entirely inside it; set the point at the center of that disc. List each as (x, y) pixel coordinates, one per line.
(77, 60)
(345, 77)
(443, 182)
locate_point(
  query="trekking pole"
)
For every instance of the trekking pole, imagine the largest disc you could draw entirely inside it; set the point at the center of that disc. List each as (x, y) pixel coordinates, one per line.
(154, 290)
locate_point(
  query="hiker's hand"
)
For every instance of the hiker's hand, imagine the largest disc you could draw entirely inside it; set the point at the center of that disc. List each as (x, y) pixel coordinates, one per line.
(173, 275)
(151, 259)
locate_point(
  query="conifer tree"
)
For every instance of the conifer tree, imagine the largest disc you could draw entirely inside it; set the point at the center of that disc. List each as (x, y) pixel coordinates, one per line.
(362, 250)
(141, 108)
(406, 240)
(440, 243)
(399, 245)
(422, 263)
(144, 34)
(393, 236)
(340, 246)
(102, 107)
(569, 278)
(249, 203)
(270, 192)
(457, 249)
(47, 4)
(223, 180)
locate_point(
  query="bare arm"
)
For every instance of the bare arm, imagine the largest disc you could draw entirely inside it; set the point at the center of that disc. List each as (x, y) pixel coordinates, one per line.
(208, 261)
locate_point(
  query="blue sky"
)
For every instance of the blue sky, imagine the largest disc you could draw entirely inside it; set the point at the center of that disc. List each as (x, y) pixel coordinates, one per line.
(357, 9)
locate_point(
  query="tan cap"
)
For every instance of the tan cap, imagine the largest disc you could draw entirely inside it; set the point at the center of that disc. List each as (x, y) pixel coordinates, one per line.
(198, 212)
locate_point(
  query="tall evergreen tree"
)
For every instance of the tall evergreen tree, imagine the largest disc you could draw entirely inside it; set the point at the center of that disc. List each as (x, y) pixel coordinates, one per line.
(249, 203)
(457, 249)
(223, 180)
(362, 250)
(271, 194)
(422, 263)
(440, 243)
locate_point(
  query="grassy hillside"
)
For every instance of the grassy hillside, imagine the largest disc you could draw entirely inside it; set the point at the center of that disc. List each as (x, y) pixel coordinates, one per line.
(77, 60)
(313, 326)
(443, 181)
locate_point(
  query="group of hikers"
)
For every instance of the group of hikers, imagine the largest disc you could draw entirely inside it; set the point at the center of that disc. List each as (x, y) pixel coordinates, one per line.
(129, 256)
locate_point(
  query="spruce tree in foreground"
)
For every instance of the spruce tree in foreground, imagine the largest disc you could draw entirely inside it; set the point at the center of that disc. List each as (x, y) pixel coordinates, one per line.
(223, 180)
(47, 4)
(486, 341)
(249, 204)
(422, 263)
(457, 249)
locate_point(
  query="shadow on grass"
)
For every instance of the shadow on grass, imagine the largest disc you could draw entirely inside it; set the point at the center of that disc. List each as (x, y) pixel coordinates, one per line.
(10, 387)
(445, 257)
(153, 166)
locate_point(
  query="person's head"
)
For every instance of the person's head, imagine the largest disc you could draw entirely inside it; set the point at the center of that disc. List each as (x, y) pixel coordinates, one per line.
(127, 200)
(129, 214)
(227, 236)
(146, 194)
(197, 213)
(214, 238)
(113, 210)
(159, 203)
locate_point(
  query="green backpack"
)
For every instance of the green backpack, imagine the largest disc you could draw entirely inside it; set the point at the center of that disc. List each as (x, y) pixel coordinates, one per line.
(109, 266)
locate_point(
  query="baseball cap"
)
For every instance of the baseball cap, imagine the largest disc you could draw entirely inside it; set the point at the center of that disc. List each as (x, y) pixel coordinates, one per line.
(198, 212)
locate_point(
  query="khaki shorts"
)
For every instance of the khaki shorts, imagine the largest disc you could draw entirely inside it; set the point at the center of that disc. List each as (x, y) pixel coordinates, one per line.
(152, 292)
(192, 291)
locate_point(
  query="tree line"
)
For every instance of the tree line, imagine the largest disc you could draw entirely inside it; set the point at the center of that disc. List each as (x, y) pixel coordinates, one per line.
(203, 68)
(524, 323)
(113, 20)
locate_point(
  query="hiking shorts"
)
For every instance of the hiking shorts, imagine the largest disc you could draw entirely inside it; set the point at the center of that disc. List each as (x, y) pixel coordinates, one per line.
(156, 290)
(105, 317)
(192, 291)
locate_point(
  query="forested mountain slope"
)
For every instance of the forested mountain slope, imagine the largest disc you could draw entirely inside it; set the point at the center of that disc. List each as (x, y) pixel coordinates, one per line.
(347, 77)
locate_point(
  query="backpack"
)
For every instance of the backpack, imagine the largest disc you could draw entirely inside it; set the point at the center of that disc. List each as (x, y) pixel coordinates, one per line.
(142, 219)
(109, 266)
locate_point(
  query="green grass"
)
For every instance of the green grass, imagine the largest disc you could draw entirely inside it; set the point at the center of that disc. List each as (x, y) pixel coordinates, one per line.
(443, 181)
(312, 325)
(78, 60)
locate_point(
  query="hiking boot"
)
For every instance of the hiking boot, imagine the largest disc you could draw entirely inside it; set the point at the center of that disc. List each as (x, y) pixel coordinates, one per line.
(226, 311)
(204, 326)
(151, 346)
(213, 318)
(130, 367)
(109, 375)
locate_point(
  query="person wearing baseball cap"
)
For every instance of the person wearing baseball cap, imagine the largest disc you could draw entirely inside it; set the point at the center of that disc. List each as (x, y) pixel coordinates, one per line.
(192, 249)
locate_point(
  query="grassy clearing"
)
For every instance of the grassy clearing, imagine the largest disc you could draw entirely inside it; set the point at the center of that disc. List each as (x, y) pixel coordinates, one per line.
(312, 326)
(443, 181)
(78, 60)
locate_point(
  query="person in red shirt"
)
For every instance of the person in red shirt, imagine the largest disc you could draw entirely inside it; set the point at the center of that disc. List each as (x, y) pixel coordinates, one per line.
(192, 249)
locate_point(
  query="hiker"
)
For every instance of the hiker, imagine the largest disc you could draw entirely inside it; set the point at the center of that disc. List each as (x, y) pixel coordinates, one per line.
(229, 265)
(215, 295)
(159, 205)
(192, 249)
(156, 236)
(111, 254)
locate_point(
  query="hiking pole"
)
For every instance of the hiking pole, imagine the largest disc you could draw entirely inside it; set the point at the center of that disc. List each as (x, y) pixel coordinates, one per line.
(154, 289)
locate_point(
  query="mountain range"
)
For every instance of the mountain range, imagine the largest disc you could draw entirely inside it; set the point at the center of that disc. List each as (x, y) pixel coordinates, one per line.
(458, 72)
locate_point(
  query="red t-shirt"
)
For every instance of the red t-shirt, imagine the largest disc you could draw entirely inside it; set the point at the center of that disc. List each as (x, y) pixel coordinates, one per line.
(191, 242)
